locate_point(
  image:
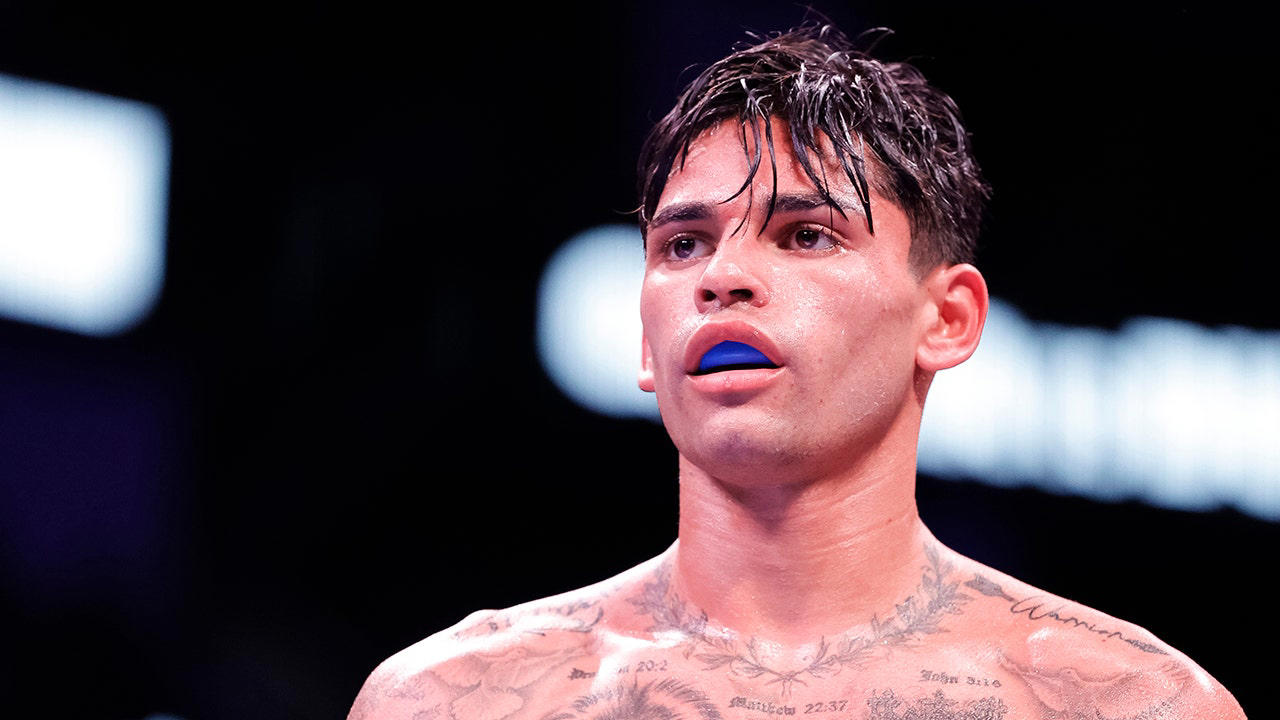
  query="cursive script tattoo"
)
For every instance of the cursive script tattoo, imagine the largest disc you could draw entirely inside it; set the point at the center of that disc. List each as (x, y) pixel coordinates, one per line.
(667, 699)
(885, 705)
(1035, 609)
(919, 614)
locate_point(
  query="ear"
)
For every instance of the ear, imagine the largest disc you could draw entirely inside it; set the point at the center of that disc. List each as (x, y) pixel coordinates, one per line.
(954, 315)
(646, 365)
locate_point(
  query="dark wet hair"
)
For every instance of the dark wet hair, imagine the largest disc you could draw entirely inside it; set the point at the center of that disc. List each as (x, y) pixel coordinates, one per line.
(813, 78)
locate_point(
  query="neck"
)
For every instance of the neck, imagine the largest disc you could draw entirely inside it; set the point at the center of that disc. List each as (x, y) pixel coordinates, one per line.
(795, 562)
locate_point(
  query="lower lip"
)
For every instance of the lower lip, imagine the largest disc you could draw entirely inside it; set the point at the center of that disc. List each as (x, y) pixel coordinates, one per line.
(734, 381)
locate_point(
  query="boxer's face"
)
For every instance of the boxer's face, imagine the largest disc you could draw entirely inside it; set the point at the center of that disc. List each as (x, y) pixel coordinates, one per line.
(837, 312)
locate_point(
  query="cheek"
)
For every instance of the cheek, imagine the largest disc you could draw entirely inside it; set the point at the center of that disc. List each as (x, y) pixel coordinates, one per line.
(651, 300)
(863, 323)
(839, 302)
(657, 315)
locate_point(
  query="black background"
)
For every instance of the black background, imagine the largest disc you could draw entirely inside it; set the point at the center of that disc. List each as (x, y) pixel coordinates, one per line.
(333, 438)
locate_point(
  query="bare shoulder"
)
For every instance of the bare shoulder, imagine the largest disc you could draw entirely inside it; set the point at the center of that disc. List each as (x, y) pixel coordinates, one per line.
(1071, 660)
(495, 663)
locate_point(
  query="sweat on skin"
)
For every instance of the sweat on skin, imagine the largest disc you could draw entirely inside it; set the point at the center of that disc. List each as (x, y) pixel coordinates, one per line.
(797, 480)
(803, 579)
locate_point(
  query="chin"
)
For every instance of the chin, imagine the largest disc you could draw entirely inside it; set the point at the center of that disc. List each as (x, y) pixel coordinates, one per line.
(767, 450)
(749, 457)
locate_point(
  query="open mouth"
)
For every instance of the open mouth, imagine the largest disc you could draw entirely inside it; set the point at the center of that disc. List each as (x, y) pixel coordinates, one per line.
(730, 355)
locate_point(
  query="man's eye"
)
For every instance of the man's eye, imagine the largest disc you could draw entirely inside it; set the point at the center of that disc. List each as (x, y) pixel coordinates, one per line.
(810, 239)
(686, 248)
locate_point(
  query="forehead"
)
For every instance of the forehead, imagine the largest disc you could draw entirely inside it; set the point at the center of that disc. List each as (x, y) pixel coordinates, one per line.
(717, 165)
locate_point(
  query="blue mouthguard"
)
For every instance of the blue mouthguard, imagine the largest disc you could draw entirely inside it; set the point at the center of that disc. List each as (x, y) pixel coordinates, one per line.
(732, 353)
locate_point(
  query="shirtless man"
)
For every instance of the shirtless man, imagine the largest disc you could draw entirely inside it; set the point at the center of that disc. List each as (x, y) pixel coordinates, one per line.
(809, 217)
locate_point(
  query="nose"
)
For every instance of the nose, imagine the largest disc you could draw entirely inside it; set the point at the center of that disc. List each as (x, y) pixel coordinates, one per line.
(733, 275)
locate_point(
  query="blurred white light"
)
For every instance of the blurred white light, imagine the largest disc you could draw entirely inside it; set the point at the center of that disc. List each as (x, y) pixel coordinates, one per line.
(1162, 410)
(589, 321)
(83, 194)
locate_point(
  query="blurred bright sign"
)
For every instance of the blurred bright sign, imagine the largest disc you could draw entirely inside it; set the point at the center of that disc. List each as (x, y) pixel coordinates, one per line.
(83, 194)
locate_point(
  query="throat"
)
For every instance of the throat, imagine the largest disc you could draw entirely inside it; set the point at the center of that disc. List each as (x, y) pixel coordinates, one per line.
(749, 626)
(826, 559)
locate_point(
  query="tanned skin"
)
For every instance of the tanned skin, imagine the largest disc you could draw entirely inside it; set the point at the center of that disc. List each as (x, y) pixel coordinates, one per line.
(803, 581)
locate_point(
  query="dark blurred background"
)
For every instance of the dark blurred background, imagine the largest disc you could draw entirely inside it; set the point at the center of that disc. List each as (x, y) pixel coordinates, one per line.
(333, 437)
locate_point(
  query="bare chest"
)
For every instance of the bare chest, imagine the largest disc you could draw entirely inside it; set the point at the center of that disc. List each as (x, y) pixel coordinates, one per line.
(714, 683)
(742, 685)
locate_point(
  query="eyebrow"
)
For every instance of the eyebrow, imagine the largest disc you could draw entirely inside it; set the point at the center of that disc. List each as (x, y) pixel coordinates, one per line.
(681, 212)
(807, 201)
(791, 202)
